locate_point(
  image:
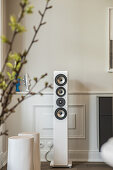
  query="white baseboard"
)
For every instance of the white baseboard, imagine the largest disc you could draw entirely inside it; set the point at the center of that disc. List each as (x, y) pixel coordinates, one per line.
(74, 155)
(77, 156)
(85, 156)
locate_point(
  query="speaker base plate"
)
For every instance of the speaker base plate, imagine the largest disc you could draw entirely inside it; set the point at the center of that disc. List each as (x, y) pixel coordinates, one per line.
(68, 166)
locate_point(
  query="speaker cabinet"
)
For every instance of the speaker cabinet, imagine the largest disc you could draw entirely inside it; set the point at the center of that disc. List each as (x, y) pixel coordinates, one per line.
(60, 111)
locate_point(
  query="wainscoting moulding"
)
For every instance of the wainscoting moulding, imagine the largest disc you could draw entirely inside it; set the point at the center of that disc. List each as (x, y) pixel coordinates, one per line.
(76, 93)
(81, 136)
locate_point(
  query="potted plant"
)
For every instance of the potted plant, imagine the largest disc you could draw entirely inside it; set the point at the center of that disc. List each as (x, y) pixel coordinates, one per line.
(14, 63)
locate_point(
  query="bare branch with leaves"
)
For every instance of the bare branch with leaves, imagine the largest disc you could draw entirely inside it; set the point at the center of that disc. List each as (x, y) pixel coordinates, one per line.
(15, 61)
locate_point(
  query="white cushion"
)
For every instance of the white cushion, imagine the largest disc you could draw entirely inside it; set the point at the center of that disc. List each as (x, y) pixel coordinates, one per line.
(107, 152)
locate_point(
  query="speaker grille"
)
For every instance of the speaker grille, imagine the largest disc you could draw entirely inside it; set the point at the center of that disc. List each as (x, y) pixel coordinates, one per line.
(60, 113)
(60, 102)
(60, 91)
(61, 80)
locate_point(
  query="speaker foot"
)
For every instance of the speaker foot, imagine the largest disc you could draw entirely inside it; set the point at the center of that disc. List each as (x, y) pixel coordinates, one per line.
(69, 165)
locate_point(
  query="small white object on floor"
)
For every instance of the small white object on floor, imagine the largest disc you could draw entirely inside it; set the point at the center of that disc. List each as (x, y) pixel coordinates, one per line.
(20, 153)
(36, 154)
(107, 152)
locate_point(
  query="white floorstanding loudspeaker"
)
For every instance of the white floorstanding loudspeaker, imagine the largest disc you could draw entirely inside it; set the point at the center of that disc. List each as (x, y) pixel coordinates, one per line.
(60, 118)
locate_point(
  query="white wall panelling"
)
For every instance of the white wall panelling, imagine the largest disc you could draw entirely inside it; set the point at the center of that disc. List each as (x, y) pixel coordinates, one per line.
(36, 114)
(77, 119)
(43, 120)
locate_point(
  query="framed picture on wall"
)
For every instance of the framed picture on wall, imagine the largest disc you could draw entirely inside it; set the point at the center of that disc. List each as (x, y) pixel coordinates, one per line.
(110, 36)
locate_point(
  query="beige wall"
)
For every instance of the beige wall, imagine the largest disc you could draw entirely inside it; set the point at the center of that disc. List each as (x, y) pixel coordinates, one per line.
(74, 39)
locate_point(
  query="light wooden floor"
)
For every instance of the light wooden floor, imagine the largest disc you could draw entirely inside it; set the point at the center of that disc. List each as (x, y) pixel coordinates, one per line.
(77, 166)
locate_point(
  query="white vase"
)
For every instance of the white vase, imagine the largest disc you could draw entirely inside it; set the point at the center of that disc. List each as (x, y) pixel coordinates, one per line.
(20, 153)
(36, 153)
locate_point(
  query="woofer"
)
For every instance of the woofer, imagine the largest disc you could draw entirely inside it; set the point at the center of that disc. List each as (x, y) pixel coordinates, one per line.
(60, 113)
(60, 91)
(61, 80)
(60, 102)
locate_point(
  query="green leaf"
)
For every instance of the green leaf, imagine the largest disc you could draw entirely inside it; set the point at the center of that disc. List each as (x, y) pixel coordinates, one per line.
(19, 77)
(20, 28)
(12, 19)
(29, 9)
(13, 74)
(18, 66)
(35, 79)
(9, 65)
(9, 75)
(15, 26)
(3, 85)
(4, 39)
(26, 2)
(15, 57)
(13, 22)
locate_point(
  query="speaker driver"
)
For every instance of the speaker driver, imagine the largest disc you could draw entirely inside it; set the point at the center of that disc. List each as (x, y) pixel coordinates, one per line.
(60, 91)
(60, 102)
(60, 113)
(61, 80)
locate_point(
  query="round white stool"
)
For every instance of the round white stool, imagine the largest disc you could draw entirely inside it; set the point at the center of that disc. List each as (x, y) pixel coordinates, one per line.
(36, 154)
(20, 153)
(107, 152)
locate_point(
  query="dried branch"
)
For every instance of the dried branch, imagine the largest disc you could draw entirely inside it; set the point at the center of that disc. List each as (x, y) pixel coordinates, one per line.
(39, 26)
(11, 84)
(7, 93)
(23, 98)
(4, 133)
